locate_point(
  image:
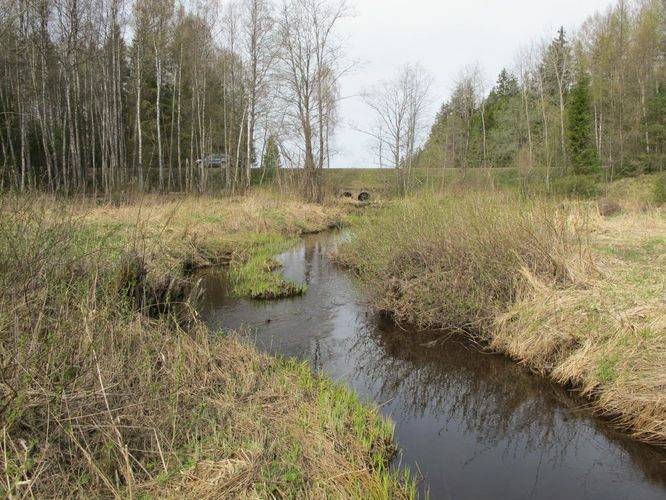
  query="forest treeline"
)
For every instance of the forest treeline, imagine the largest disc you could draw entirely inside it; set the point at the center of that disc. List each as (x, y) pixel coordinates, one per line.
(98, 96)
(590, 103)
(104, 95)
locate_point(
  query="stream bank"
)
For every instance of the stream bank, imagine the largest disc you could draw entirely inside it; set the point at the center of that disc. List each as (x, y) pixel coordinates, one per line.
(461, 413)
(106, 393)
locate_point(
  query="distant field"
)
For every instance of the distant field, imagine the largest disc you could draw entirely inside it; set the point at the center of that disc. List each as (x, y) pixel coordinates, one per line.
(377, 180)
(385, 180)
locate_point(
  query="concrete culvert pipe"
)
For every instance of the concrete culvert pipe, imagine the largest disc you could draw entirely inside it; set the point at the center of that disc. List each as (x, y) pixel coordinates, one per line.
(363, 196)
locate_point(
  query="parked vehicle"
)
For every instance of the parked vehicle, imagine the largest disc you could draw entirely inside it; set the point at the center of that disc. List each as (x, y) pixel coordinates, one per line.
(214, 160)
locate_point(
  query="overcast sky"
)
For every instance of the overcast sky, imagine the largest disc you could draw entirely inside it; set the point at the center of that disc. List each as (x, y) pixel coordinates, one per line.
(444, 36)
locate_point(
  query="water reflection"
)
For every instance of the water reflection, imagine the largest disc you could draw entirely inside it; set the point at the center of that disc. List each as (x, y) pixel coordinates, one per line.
(488, 395)
(475, 424)
(513, 415)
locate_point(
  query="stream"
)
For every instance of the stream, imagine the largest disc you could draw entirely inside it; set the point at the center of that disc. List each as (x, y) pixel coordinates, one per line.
(471, 424)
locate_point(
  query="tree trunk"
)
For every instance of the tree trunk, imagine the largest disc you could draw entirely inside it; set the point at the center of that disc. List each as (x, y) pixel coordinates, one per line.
(139, 133)
(160, 160)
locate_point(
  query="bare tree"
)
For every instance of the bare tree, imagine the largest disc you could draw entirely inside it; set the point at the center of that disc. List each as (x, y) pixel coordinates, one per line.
(525, 70)
(139, 133)
(399, 105)
(260, 51)
(559, 67)
(309, 65)
(477, 79)
(544, 118)
(233, 109)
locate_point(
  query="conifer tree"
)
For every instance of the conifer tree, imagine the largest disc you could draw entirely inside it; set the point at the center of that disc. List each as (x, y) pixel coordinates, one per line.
(582, 150)
(271, 154)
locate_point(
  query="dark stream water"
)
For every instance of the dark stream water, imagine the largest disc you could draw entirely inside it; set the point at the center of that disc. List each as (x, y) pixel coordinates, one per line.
(472, 424)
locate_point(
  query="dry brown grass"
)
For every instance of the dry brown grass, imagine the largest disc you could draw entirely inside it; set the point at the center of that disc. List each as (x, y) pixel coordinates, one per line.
(607, 339)
(454, 261)
(208, 227)
(636, 194)
(572, 294)
(99, 400)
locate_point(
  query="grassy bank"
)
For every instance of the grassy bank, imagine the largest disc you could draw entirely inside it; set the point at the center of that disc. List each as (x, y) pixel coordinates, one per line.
(103, 396)
(456, 261)
(573, 294)
(244, 232)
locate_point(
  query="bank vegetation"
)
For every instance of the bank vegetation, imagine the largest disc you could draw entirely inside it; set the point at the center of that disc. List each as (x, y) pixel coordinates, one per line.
(574, 290)
(111, 387)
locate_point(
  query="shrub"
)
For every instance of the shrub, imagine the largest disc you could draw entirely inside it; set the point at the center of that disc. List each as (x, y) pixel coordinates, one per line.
(457, 262)
(660, 189)
(577, 186)
(609, 207)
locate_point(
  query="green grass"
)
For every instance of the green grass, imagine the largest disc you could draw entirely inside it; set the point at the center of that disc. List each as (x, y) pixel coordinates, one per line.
(659, 190)
(637, 192)
(577, 186)
(607, 371)
(622, 253)
(640, 191)
(654, 245)
(327, 415)
(209, 218)
(645, 251)
(257, 276)
(387, 182)
(103, 401)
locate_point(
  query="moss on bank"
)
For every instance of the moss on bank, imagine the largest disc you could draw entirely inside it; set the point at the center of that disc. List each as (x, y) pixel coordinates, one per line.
(99, 399)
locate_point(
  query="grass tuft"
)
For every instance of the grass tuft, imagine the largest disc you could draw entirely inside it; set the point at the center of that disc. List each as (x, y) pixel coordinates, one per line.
(257, 277)
(660, 189)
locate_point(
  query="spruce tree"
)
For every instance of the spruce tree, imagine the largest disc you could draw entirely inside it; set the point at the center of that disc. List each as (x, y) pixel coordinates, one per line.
(582, 150)
(271, 154)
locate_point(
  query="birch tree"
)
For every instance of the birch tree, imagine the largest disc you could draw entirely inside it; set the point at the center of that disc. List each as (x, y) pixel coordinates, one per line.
(309, 56)
(399, 106)
(260, 52)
